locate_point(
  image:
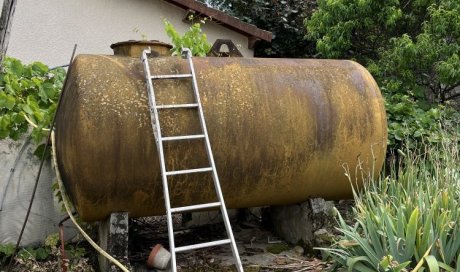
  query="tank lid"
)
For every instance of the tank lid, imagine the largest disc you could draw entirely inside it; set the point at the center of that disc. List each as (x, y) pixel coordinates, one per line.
(141, 42)
(134, 48)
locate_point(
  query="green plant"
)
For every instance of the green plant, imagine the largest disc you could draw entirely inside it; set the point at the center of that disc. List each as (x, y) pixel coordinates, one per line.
(6, 250)
(28, 97)
(409, 122)
(194, 39)
(26, 253)
(47, 257)
(409, 220)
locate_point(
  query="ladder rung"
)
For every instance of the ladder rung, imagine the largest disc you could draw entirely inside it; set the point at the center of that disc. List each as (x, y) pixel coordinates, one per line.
(175, 106)
(203, 245)
(171, 76)
(185, 137)
(189, 171)
(195, 207)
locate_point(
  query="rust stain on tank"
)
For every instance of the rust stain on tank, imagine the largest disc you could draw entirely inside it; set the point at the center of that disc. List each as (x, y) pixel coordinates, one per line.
(280, 129)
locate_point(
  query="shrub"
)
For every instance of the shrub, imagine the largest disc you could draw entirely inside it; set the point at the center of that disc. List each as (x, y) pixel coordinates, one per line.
(409, 220)
(412, 49)
(409, 123)
(28, 96)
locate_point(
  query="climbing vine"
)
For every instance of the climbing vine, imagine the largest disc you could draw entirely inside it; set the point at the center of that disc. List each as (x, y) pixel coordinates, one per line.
(28, 97)
(193, 39)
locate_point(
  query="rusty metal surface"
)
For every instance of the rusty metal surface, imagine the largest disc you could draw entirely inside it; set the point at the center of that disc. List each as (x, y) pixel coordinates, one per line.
(281, 131)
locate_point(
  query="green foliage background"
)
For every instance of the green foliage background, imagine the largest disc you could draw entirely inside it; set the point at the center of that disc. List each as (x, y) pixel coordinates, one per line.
(412, 49)
(283, 18)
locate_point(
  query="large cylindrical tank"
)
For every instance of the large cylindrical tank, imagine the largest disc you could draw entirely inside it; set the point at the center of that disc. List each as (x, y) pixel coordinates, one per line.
(281, 130)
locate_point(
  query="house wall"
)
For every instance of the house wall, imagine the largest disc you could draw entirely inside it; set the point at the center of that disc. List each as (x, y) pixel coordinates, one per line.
(46, 30)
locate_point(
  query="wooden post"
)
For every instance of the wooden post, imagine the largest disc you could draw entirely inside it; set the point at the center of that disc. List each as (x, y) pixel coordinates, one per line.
(5, 26)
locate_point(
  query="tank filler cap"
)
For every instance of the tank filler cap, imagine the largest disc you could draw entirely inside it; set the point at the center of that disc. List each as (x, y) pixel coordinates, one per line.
(134, 48)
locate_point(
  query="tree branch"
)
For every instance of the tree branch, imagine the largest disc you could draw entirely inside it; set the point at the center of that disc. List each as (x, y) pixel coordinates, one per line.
(453, 96)
(452, 87)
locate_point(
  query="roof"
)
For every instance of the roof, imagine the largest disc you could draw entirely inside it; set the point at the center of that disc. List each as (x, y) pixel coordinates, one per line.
(251, 31)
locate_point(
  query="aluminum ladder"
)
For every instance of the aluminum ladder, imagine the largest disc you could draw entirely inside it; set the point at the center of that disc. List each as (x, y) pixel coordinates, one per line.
(186, 53)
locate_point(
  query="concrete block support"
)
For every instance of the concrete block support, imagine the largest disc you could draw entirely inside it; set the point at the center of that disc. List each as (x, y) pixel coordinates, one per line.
(293, 223)
(113, 238)
(207, 217)
(297, 223)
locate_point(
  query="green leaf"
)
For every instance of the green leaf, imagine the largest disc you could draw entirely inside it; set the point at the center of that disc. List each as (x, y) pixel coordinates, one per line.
(458, 263)
(5, 121)
(40, 149)
(7, 101)
(432, 263)
(411, 233)
(357, 263)
(426, 235)
(385, 262)
(7, 249)
(50, 90)
(27, 109)
(401, 267)
(445, 267)
(17, 68)
(39, 69)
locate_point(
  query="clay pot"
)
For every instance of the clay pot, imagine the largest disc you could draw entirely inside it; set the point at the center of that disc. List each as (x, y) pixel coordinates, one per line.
(159, 257)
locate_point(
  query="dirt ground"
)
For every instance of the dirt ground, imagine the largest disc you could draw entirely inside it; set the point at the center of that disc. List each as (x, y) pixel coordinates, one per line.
(259, 249)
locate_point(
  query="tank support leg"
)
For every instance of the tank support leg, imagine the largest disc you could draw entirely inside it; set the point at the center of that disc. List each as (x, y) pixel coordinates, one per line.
(113, 238)
(299, 223)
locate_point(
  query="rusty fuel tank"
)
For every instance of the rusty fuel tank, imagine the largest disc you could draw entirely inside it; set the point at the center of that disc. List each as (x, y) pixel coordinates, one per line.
(282, 131)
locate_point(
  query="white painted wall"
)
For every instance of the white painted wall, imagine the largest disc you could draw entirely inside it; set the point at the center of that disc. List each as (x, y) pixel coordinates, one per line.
(46, 30)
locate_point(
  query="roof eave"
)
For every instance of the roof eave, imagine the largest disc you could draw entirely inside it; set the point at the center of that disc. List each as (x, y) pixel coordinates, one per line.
(251, 31)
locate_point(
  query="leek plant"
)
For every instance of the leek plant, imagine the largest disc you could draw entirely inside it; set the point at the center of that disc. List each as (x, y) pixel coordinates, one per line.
(408, 221)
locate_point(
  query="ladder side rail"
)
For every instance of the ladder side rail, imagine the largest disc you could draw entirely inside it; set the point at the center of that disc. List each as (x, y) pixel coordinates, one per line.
(211, 160)
(157, 129)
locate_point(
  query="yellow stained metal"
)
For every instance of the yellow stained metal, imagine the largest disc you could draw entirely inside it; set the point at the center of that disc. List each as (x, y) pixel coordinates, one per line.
(282, 131)
(134, 48)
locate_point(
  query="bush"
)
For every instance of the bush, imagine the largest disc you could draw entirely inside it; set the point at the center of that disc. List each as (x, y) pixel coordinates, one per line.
(409, 220)
(28, 96)
(410, 47)
(409, 123)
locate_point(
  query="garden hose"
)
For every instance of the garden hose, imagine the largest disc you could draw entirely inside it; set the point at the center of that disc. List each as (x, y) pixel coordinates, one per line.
(67, 208)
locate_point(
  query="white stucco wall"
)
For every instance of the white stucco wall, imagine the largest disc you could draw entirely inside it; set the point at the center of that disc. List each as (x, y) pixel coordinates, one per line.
(46, 30)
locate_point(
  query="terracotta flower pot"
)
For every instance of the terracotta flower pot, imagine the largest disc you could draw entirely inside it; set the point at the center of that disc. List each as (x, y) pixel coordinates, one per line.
(159, 257)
